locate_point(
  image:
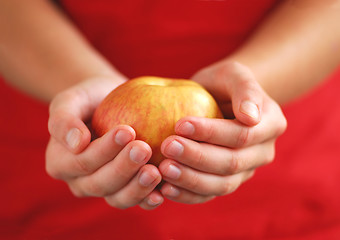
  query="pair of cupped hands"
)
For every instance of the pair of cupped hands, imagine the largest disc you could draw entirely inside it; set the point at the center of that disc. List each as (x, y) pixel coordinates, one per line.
(206, 158)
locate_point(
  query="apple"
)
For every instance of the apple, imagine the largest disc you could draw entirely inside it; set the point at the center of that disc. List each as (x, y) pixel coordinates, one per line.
(152, 106)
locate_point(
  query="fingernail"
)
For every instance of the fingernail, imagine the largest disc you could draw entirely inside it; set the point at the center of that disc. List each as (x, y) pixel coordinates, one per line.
(186, 128)
(73, 138)
(172, 192)
(174, 149)
(146, 179)
(137, 155)
(172, 172)
(122, 137)
(155, 201)
(250, 109)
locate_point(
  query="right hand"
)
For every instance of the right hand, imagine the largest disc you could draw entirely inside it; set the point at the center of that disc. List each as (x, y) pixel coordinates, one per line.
(113, 166)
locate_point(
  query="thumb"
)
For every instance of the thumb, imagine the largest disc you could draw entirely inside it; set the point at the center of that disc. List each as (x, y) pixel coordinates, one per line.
(66, 122)
(246, 95)
(234, 86)
(71, 109)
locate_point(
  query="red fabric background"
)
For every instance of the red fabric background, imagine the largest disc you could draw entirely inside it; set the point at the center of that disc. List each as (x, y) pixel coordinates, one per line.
(296, 197)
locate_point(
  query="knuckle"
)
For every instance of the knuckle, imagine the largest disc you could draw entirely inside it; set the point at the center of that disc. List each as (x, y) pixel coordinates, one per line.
(194, 182)
(209, 132)
(240, 72)
(54, 102)
(243, 137)
(233, 165)
(50, 167)
(94, 189)
(231, 67)
(52, 171)
(121, 173)
(53, 122)
(200, 158)
(248, 82)
(83, 166)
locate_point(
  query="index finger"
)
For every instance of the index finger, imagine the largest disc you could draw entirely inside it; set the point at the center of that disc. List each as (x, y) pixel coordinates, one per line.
(230, 132)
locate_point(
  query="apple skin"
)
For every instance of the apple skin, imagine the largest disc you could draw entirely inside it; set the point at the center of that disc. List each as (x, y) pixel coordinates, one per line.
(152, 106)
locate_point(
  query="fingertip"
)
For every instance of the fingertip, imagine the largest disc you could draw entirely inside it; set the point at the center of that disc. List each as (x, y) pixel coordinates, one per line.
(154, 200)
(139, 151)
(185, 127)
(143, 144)
(246, 95)
(164, 166)
(149, 176)
(73, 138)
(248, 113)
(152, 169)
(170, 191)
(77, 138)
(124, 134)
(166, 142)
(69, 131)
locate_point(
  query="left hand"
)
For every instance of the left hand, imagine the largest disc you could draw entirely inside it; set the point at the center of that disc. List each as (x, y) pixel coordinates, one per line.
(213, 157)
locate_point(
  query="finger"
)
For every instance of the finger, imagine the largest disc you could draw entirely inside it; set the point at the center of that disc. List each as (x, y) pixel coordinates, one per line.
(115, 174)
(224, 132)
(232, 133)
(71, 109)
(137, 190)
(183, 196)
(98, 153)
(201, 182)
(245, 92)
(216, 159)
(230, 81)
(69, 130)
(68, 112)
(152, 201)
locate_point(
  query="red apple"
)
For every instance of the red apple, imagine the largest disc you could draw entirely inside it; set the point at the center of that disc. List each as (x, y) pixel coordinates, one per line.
(152, 106)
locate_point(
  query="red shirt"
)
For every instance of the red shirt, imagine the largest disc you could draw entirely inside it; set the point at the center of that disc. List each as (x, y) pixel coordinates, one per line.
(296, 197)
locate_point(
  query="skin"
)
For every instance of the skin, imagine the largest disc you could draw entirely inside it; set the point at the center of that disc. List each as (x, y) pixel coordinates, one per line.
(202, 162)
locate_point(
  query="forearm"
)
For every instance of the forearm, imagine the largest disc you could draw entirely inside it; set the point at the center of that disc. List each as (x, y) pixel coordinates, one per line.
(295, 48)
(42, 53)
